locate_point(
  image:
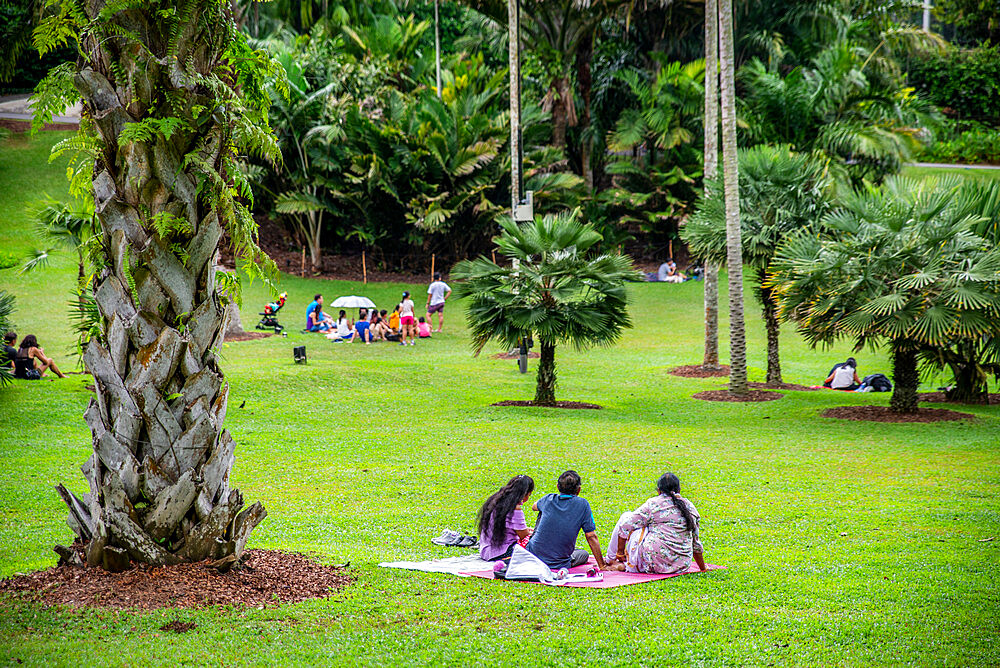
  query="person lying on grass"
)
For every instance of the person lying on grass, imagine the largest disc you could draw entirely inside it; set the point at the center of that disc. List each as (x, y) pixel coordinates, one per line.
(661, 536)
(501, 519)
(561, 517)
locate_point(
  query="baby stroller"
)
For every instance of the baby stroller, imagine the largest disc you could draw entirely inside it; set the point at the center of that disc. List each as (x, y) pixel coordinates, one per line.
(270, 314)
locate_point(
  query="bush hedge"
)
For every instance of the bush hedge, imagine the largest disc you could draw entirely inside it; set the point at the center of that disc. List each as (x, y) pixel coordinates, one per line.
(964, 83)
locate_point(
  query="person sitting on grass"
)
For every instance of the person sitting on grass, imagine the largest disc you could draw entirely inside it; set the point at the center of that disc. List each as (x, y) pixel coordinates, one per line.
(343, 329)
(843, 376)
(561, 517)
(394, 320)
(319, 321)
(8, 352)
(381, 327)
(501, 519)
(362, 328)
(28, 356)
(423, 329)
(660, 536)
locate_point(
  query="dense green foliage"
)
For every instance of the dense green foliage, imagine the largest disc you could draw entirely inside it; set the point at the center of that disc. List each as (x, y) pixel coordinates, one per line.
(965, 82)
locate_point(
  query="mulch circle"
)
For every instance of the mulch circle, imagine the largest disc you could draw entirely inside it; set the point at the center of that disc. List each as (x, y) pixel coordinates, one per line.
(884, 414)
(177, 626)
(513, 355)
(726, 395)
(783, 386)
(265, 578)
(695, 371)
(248, 336)
(940, 398)
(572, 405)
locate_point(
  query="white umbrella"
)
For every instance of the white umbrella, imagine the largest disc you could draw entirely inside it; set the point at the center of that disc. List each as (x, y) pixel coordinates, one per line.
(352, 301)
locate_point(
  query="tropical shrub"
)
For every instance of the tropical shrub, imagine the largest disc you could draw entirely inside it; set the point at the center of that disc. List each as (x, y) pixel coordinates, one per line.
(963, 82)
(967, 142)
(901, 265)
(554, 290)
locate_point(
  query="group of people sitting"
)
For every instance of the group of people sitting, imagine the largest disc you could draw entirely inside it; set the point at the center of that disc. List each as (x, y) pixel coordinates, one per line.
(660, 536)
(844, 376)
(28, 361)
(669, 273)
(401, 325)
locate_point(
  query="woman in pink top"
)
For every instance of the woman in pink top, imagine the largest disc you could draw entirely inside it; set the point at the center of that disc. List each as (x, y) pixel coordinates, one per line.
(501, 519)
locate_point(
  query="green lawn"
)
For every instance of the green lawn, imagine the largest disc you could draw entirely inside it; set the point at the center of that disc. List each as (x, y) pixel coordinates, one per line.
(923, 172)
(847, 543)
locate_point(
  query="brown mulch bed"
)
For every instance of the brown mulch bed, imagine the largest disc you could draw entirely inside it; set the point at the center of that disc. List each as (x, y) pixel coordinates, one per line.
(248, 336)
(265, 578)
(572, 405)
(783, 386)
(940, 398)
(725, 395)
(883, 414)
(513, 355)
(695, 371)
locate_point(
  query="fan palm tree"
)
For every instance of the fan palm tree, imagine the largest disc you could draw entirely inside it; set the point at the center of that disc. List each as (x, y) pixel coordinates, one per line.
(731, 187)
(70, 227)
(899, 265)
(6, 309)
(554, 291)
(781, 193)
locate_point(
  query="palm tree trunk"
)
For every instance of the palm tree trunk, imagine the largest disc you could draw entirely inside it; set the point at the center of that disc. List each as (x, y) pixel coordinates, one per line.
(584, 55)
(545, 388)
(734, 244)
(159, 472)
(563, 114)
(710, 361)
(905, 379)
(773, 328)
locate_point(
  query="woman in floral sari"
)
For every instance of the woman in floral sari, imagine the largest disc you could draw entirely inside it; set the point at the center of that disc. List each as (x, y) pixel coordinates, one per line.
(661, 536)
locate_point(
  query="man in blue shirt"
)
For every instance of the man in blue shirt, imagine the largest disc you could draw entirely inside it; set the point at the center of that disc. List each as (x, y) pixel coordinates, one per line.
(561, 518)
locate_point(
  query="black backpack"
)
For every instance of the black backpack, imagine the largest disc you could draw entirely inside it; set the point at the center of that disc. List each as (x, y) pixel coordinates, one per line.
(878, 382)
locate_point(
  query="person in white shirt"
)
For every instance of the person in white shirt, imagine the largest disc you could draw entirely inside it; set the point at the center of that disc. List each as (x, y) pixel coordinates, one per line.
(437, 295)
(407, 323)
(844, 376)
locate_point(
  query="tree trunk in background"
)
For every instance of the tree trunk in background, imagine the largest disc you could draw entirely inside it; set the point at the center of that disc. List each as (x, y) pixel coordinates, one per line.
(710, 361)
(773, 328)
(971, 381)
(563, 113)
(734, 243)
(234, 322)
(159, 472)
(905, 379)
(584, 55)
(545, 390)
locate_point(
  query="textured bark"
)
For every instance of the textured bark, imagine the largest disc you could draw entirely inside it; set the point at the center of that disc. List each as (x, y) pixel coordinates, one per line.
(161, 462)
(545, 389)
(734, 244)
(559, 100)
(905, 379)
(773, 328)
(710, 361)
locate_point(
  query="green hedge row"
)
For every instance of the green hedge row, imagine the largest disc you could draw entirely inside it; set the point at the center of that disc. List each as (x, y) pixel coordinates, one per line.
(964, 83)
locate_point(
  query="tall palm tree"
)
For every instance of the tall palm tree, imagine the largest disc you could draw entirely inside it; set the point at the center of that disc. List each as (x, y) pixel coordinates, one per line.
(170, 98)
(730, 176)
(710, 361)
(781, 193)
(554, 291)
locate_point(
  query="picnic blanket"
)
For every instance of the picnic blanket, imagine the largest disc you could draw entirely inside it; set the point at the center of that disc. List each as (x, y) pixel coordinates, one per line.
(472, 566)
(460, 566)
(611, 578)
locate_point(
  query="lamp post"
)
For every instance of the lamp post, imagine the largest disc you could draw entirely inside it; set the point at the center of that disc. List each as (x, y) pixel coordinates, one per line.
(437, 46)
(521, 203)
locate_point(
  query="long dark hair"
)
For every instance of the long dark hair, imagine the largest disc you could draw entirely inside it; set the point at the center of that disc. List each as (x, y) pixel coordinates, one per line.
(670, 485)
(28, 342)
(499, 507)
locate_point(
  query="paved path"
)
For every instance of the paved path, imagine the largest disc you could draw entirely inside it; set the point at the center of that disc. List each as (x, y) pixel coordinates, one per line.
(18, 108)
(944, 165)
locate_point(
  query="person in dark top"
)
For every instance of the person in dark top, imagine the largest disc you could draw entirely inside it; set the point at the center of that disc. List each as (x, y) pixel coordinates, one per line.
(28, 354)
(561, 517)
(8, 352)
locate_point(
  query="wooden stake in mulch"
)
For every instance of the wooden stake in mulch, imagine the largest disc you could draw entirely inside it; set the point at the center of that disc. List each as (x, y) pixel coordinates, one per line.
(432, 266)
(364, 267)
(670, 247)
(303, 261)
(494, 255)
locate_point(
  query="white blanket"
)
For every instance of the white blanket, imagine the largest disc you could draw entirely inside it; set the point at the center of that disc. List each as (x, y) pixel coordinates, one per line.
(453, 565)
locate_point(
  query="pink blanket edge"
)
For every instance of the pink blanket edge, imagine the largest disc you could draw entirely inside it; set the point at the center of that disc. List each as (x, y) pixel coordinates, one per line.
(613, 578)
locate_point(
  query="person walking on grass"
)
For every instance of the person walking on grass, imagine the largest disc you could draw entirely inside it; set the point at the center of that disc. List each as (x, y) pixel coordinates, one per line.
(561, 517)
(407, 323)
(437, 295)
